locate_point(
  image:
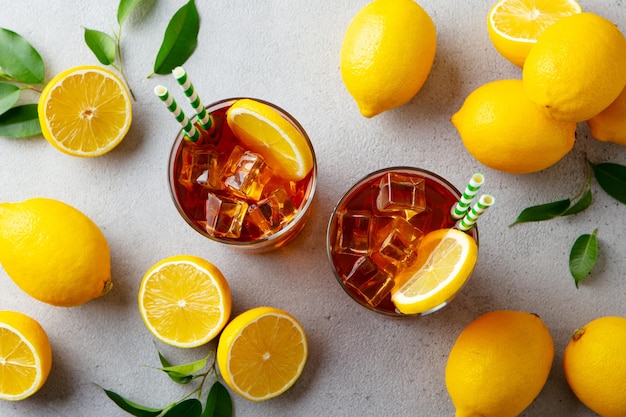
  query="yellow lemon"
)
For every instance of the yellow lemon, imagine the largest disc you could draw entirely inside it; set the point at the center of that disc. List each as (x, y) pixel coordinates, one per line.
(504, 130)
(595, 365)
(54, 252)
(577, 68)
(446, 260)
(261, 353)
(610, 124)
(85, 111)
(265, 131)
(499, 364)
(387, 53)
(515, 25)
(184, 301)
(25, 356)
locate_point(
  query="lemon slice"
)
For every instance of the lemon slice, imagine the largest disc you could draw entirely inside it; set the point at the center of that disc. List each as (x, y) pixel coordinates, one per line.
(265, 131)
(25, 356)
(261, 353)
(450, 258)
(515, 25)
(85, 111)
(184, 301)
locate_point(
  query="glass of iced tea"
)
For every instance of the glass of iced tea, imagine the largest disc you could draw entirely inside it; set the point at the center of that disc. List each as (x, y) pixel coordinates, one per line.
(376, 228)
(228, 193)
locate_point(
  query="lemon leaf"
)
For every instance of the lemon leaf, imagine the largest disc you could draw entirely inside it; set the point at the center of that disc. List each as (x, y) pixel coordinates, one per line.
(218, 402)
(583, 203)
(583, 256)
(9, 94)
(180, 39)
(612, 179)
(124, 9)
(102, 45)
(183, 374)
(20, 122)
(190, 407)
(19, 61)
(542, 212)
(131, 407)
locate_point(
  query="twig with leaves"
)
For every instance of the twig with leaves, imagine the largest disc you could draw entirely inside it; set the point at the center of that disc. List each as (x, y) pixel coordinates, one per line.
(218, 402)
(21, 68)
(612, 179)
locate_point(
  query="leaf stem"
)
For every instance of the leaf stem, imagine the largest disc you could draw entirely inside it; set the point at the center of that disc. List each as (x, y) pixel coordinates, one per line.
(120, 68)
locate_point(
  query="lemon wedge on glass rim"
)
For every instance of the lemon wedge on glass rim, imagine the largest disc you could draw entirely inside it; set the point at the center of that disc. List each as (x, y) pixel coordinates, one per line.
(267, 132)
(446, 260)
(85, 111)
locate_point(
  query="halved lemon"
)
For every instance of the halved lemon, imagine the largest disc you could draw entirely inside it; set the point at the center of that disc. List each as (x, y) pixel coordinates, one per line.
(85, 111)
(261, 353)
(265, 131)
(447, 258)
(184, 301)
(25, 356)
(515, 25)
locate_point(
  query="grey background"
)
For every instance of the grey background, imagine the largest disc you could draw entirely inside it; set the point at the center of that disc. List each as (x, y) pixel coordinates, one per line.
(287, 52)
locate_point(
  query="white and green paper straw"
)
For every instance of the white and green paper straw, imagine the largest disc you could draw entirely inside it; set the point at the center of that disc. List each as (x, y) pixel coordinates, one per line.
(460, 209)
(467, 222)
(172, 106)
(190, 92)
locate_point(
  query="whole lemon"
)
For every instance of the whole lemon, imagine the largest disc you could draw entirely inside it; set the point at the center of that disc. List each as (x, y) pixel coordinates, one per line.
(610, 124)
(54, 252)
(595, 365)
(577, 68)
(499, 364)
(387, 53)
(504, 130)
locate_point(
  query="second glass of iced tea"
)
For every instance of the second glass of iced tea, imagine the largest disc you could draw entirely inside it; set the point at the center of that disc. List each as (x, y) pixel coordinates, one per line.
(376, 227)
(228, 193)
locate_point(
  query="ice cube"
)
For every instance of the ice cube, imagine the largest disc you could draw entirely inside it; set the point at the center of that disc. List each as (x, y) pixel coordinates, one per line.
(225, 215)
(248, 175)
(398, 242)
(401, 193)
(200, 166)
(354, 232)
(269, 214)
(369, 281)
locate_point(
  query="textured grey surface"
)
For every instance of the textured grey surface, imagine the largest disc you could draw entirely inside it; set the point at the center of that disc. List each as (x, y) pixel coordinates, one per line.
(287, 52)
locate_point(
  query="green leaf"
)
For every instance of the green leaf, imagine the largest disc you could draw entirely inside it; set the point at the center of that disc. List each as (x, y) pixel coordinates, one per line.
(218, 402)
(188, 408)
(19, 60)
(102, 45)
(612, 179)
(583, 256)
(20, 122)
(9, 94)
(582, 204)
(124, 9)
(180, 40)
(187, 368)
(542, 212)
(131, 407)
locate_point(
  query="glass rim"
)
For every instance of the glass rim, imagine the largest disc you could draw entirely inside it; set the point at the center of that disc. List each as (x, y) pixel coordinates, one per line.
(346, 195)
(265, 241)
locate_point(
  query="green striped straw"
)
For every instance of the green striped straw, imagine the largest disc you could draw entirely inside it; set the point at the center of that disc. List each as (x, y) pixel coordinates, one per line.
(205, 119)
(460, 209)
(484, 202)
(190, 130)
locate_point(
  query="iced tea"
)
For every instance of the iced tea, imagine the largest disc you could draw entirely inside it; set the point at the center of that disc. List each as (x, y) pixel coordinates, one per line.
(229, 194)
(377, 226)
